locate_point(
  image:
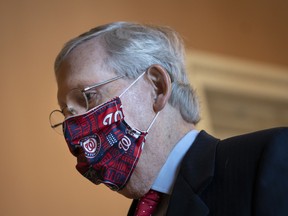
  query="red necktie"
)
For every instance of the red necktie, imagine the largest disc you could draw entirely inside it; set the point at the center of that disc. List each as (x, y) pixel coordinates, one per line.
(148, 203)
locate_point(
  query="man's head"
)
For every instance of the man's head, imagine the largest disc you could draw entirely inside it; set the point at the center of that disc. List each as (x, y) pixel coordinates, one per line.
(130, 49)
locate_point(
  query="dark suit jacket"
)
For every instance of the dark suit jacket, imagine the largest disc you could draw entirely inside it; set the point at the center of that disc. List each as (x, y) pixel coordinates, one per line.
(243, 175)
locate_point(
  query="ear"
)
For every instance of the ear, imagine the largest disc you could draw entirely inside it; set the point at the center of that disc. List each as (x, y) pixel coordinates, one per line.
(161, 82)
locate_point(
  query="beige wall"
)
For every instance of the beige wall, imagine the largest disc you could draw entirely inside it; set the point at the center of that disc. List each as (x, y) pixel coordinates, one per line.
(37, 172)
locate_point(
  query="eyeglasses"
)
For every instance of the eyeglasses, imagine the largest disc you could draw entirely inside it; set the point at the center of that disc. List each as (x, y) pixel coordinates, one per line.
(78, 101)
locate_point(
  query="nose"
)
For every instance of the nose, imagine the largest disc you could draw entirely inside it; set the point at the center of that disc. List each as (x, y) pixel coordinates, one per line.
(68, 112)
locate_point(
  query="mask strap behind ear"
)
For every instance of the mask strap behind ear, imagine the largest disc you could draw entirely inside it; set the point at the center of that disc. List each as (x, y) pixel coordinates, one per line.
(131, 85)
(154, 119)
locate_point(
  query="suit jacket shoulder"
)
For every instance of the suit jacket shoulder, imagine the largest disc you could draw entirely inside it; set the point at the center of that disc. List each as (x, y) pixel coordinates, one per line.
(242, 175)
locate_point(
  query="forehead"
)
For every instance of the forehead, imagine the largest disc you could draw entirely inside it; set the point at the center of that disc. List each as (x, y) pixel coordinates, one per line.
(86, 63)
(84, 60)
(83, 66)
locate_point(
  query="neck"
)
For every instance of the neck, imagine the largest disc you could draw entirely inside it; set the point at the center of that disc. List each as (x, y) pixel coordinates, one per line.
(166, 132)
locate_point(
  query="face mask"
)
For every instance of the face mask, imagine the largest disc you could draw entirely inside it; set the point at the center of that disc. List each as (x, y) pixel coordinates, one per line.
(106, 147)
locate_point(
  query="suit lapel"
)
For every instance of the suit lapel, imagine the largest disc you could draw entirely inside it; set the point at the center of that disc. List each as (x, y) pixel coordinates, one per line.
(197, 170)
(184, 201)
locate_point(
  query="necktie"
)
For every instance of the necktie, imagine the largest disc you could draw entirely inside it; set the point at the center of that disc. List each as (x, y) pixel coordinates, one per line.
(148, 203)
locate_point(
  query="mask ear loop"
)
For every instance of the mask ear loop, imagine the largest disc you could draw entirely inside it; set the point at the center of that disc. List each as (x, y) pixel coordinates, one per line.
(152, 122)
(154, 119)
(131, 84)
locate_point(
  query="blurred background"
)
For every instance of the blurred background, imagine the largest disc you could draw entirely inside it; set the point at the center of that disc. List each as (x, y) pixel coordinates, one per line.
(237, 58)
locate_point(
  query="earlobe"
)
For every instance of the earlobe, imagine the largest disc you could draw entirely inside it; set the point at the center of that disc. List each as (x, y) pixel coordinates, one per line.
(161, 82)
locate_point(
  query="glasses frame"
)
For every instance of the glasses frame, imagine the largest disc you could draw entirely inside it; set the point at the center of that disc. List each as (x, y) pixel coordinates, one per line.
(55, 126)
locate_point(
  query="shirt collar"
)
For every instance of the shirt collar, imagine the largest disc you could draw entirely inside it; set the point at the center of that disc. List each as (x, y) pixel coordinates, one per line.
(166, 178)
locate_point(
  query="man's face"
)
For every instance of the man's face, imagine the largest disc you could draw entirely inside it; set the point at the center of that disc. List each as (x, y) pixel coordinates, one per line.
(84, 67)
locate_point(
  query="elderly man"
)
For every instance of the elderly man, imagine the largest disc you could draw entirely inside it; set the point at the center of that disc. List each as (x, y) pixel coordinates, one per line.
(128, 114)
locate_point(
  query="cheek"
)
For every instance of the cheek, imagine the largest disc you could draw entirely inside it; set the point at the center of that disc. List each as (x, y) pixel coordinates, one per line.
(138, 110)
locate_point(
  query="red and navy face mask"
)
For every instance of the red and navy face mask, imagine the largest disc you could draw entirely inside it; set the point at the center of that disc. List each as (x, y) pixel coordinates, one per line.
(106, 147)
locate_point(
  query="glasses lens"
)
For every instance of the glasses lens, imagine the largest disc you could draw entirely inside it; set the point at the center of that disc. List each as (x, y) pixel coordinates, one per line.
(56, 119)
(77, 102)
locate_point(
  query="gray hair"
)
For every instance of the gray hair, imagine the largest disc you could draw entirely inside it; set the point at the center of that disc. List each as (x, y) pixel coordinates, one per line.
(132, 48)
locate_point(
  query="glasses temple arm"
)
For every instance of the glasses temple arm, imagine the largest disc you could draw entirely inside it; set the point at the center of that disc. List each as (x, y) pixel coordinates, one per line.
(102, 83)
